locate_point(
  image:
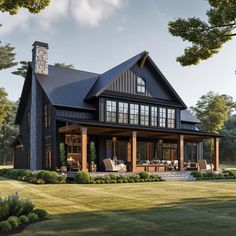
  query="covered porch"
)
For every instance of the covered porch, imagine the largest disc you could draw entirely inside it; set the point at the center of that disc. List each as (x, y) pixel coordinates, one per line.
(138, 149)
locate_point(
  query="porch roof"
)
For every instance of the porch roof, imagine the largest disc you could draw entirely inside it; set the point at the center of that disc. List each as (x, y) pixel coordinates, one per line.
(99, 128)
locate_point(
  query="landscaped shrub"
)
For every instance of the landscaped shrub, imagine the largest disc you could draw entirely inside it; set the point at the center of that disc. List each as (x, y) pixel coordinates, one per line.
(197, 174)
(41, 213)
(23, 219)
(112, 176)
(4, 226)
(13, 221)
(32, 217)
(210, 174)
(144, 175)
(3, 172)
(82, 177)
(49, 176)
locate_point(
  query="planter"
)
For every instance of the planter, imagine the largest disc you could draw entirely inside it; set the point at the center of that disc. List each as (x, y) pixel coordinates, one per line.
(63, 168)
(92, 168)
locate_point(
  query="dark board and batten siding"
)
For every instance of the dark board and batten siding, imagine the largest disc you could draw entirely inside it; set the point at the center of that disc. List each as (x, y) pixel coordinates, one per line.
(126, 83)
(155, 87)
(84, 115)
(188, 126)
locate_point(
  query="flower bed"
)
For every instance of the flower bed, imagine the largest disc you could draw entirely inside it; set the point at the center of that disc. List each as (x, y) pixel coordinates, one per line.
(17, 212)
(35, 177)
(85, 178)
(227, 174)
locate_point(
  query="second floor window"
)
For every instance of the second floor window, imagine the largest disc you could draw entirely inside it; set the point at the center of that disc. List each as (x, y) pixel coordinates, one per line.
(141, 85)
(154, 120)
(144, 115)
(134, 114)
(162, 117)
(170, 118)
(123, 112)
(110, 111)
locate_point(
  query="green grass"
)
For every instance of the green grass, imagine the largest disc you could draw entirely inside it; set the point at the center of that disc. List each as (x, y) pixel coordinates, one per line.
(163, 208)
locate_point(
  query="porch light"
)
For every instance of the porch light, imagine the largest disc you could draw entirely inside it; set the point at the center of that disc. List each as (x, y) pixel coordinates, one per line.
(160, 141)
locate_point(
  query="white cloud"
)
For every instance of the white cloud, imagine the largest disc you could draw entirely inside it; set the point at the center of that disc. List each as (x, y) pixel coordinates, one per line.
(85, 12)
(92, 12)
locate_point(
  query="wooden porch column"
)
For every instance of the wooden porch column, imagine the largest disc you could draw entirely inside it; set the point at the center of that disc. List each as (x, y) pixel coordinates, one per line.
(134, 150)
(216, 154)
(181, 152)
(84, 148)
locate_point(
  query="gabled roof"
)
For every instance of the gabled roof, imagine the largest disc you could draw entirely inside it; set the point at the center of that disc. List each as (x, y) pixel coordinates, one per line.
(67, 87)
(187, 116)
(107, 77)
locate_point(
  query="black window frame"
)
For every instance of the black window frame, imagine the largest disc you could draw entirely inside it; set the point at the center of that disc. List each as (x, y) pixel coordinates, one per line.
(112, 112)
(154, 116)
(122, 113)
(171, 118)
(162, 117)
(145, 116)
(134, 114)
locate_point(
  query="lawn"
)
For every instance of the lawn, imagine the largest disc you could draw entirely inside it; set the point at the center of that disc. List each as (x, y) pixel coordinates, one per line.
(163, 208)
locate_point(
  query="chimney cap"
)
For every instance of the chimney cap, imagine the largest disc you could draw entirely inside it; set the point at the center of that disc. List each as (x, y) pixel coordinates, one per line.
(40, 44)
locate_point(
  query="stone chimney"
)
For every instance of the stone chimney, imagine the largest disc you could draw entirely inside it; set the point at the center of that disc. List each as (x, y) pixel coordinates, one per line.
(39, 66)
(40, 58)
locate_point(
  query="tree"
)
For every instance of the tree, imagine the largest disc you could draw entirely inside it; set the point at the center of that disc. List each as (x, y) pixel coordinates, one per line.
(12, 6)
(207, 38)
(64, 65)
(7, 56)
(228, 143)
(8, 134)
(22, 70)
(213, 110)
(5, 107)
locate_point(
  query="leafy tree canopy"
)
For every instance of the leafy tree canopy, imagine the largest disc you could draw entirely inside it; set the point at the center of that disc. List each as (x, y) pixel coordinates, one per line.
(213, 110)
(5, 107)
(12, 6)
(206, 38)
(22, 70)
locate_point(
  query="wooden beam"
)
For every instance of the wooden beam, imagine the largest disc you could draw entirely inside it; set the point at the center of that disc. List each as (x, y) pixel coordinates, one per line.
(84, 138)
(216, 154)
(181, 152)
(68, 128)
(134, 150)
(143, 59)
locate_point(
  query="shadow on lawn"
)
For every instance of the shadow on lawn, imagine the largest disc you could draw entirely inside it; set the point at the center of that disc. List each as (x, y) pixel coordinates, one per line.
(197, 216)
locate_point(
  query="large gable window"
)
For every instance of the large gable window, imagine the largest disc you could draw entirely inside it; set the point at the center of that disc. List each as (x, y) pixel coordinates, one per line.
(171, 118)
(134, 114)
(110, 111)
(123, 112)
(144, 115)
(141, 85)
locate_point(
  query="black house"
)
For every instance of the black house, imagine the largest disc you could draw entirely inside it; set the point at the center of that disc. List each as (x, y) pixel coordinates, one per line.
(129, 113)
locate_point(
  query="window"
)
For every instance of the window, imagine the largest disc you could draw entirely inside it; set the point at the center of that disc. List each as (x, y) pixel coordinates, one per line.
(162, 117)
(153, 116)
(48, 152)
(134, 114)
(47, 116)
(111, 111)
(170, 118)
(123, 112)
(144, 115)
(141, 85)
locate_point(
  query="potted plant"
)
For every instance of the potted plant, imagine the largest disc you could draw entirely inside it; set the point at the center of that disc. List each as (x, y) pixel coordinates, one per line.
(92, 152)
(63, 157)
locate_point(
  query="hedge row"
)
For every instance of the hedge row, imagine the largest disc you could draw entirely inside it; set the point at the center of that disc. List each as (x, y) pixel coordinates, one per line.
(227, 174)
(15, 211)
(85, 178)
(35, 177)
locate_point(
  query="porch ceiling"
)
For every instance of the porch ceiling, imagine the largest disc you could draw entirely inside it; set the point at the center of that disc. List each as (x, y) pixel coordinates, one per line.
(107, 131)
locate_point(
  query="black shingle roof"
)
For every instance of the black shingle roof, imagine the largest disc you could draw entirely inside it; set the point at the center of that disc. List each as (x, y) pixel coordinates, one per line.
(187, 116)
(67, 87)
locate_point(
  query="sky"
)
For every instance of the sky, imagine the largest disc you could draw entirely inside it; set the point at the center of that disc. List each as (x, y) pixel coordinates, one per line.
(95, 35)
